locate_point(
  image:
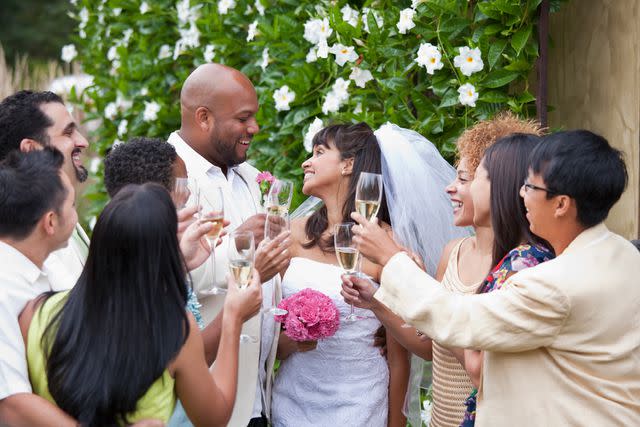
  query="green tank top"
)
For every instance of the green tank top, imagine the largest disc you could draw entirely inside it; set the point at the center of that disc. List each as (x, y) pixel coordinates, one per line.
(158, 402)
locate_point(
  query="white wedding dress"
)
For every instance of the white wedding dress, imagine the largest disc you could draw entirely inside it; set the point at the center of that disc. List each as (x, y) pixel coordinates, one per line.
(344, 381)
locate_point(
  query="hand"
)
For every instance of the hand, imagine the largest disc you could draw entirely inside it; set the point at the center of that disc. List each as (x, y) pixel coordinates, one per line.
(273, 256)
(288, 346)
(186, 217)
(359, 292)
(243, 303)
(254, 224)
(380, 340)
(416, 258)
(372, 241)
(194, 245)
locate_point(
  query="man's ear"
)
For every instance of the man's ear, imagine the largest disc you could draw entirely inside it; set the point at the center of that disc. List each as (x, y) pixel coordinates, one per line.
(28, 144)
(347, 166)
(49, 222)
(204, 119)
(563, 205)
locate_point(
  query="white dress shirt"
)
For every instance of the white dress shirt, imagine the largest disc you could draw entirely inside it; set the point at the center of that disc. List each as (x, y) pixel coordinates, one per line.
(65, 265)
(20, 281)
(241, 201)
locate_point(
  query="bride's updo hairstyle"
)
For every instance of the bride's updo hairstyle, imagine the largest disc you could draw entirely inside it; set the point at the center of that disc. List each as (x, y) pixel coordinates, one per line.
(355, 141)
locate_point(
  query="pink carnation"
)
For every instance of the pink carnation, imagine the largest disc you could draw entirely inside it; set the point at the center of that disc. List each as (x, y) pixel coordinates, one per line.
(265, 176)
(311, 316)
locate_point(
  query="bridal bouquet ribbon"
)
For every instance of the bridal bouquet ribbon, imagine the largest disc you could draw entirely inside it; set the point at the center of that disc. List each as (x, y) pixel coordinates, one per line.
(311, 316)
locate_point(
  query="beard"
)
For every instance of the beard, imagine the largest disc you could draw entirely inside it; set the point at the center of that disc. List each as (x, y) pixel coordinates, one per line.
(81, 173)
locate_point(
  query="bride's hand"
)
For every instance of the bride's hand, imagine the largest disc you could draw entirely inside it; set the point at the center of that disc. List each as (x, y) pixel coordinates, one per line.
(373, 241)
(359, 292)
(287, 346)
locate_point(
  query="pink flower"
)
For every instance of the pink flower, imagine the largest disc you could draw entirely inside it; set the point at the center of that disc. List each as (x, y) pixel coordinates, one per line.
(311, 316)
(265, 176)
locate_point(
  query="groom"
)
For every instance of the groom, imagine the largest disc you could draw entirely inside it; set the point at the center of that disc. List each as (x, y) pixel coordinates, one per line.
(218, 108)
(562, 339)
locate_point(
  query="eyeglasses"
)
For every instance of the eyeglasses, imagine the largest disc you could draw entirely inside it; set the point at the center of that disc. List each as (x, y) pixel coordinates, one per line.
(527, 186)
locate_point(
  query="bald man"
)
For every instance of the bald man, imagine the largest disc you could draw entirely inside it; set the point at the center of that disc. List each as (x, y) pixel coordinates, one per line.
(218, 109)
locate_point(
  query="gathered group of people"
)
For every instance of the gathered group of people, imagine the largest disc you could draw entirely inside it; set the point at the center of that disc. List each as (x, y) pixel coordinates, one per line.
(500, 271)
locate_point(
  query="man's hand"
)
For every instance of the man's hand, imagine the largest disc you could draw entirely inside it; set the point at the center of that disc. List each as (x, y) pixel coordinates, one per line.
(359, 292)
(194, 246)
(254, 224)
(273, 256)
(373, 241)
(243, 303)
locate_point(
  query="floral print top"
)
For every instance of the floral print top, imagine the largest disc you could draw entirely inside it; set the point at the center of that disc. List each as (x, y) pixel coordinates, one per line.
(520, 258)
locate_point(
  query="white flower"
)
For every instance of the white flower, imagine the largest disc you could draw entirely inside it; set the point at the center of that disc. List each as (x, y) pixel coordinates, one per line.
(111, 110)
(316, 30)
(122, 128)
(73, 2)
(283, 97)
(415, 3)
(425, 414)
(117, 11)
(323, 49)
(82, 33)
(225, 5)
(331, 103)
(468, 95)
(151, 110)
(376, 16)
(112, 54)
(429, 57)
(144, 8)
(259, 7)
(312, 55)
(469, 61)
(144, 91)
(314, 128)
(350, 15)
(68, 53)
(189, 37)
(122, 103)
(340, 87)
(165, 51)
(358, 108)
(337, 96)
(84, 17)
(343, 53)
(209, 53)
(253, 30)
(114, 67)
(360, 77)
(127, 36)
(265, 59)
(94, 165)
(405, 23)
(186, 13)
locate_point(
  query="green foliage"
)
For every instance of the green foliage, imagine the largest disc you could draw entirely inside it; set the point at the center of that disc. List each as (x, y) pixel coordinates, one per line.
(122, 50)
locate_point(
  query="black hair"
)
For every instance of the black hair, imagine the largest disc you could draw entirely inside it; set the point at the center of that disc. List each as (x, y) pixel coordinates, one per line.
(507, 163)
(138, 161)
(583, 166)
(125, 319)
(636, 243)
(355, 141)
(30, 186)
(21, 117)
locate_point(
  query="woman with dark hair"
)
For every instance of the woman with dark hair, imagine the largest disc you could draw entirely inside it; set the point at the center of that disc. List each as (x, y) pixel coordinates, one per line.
(120, 346)
(494, 191)
(342, 380)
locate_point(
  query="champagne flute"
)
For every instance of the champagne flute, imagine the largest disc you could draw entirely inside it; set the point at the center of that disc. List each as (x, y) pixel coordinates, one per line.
(368, 194)
(180, 194)
(241, 253)
(274, 225)
(347, 254)
(213, 212)
(279, 197)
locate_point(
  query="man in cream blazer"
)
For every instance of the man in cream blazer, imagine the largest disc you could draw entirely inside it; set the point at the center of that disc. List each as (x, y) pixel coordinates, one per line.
(562, 339)
(218, 107)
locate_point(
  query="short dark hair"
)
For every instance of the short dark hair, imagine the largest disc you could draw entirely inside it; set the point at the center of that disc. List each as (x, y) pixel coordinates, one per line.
(583, 166)
(139, 161)
(30, 186)
(21, 117)
(636, 243)
(507, 164)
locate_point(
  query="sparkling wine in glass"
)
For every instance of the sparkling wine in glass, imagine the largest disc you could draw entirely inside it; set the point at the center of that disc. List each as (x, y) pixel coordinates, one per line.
(274, 225)
(278, 199)
(212, 211)
(241, 254)
(368, 194)
(347, 254)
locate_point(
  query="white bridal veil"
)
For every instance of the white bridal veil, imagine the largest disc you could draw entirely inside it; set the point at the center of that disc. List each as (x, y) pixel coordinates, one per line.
(414, 176)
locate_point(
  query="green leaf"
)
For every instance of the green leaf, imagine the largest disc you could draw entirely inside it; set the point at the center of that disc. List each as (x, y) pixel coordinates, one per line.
(450, 98)
(493, 96)
(520, 38)
(495, 51)
(499, 78)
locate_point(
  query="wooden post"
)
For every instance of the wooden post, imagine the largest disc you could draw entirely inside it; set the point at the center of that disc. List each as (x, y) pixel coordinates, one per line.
(541, 63)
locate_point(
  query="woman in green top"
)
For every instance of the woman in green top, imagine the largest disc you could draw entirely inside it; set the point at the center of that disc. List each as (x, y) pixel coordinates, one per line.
(119, 346)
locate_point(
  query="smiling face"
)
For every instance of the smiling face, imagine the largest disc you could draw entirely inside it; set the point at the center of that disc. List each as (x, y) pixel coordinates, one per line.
(481, 195)
(323, 171)
(541, 211)
(66, 217)
(460, 195)
(64, 135)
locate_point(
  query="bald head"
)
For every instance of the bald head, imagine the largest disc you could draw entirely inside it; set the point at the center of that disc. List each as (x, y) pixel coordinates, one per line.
(218, 107)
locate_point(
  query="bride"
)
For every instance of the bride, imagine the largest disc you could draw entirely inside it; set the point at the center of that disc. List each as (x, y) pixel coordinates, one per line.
(345, 380)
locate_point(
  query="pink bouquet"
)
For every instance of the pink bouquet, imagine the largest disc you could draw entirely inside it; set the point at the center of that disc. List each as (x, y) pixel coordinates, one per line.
(311, 316)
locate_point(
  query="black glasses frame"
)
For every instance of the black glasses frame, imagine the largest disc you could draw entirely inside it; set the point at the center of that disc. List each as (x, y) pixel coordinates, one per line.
(526, 185)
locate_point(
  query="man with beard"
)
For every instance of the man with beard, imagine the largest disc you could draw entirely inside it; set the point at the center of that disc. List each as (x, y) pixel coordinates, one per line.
(218, 108)
(33, 120)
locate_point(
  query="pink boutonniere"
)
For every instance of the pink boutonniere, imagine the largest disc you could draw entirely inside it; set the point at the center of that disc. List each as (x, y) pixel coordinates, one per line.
(264, 180)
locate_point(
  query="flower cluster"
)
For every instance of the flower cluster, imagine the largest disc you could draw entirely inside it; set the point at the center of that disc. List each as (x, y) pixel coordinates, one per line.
(337, 96)
(311, 316)
(264, 180)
